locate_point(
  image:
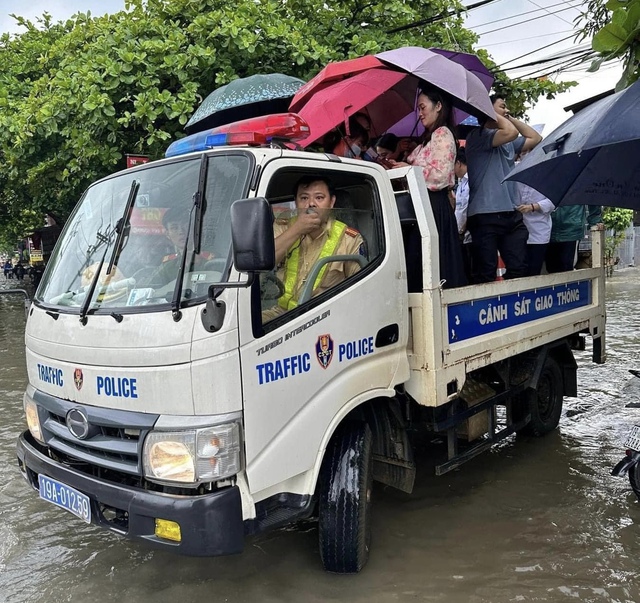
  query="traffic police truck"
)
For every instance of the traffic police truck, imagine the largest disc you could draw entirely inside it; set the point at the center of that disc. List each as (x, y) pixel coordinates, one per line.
(182, 413)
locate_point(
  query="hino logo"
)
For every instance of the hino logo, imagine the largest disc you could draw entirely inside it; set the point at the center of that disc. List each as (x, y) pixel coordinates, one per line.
(78, 423)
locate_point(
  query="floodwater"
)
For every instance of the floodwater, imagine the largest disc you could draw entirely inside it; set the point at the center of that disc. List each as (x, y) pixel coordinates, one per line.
(533, 520)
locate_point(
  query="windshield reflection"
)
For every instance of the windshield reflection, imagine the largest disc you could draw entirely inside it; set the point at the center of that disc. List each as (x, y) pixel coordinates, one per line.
(154, 239)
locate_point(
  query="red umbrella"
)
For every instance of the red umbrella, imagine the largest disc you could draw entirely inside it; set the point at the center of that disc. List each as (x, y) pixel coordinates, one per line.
(333, 72)
(385, 95)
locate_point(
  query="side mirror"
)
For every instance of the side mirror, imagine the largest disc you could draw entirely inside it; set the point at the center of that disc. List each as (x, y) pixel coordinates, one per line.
(254, 249)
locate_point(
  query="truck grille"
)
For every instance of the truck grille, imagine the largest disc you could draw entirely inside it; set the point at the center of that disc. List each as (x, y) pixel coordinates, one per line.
(111, 439)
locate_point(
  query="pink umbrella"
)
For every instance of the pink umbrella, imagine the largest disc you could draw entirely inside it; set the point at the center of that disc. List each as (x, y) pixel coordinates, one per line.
(385, 95)
(333, 72)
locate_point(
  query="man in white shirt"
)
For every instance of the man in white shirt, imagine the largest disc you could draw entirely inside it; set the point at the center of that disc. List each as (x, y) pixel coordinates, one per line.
(462, 203)
(536, 212)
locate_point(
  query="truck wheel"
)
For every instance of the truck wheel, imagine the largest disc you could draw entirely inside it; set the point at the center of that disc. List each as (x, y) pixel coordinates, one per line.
(346, 481)
(634, 479)
(545, 402)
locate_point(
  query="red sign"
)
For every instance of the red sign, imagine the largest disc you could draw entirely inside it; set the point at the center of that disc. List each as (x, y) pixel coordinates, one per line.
(133, 160)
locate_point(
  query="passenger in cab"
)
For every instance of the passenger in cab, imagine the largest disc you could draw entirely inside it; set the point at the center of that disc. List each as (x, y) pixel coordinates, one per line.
(313, 233)
(436, 156)
(176, 225)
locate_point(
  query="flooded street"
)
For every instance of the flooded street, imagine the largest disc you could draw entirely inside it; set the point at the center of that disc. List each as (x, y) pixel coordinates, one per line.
(534, 520)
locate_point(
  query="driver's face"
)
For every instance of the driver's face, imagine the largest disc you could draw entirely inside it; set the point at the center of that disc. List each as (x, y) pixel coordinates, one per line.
(177, 233)
(315, 196)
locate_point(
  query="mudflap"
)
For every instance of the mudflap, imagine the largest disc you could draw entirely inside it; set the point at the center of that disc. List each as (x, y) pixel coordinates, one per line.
(393, 463)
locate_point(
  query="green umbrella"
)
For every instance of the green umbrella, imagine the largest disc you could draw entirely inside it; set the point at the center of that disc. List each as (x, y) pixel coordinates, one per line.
(252, 96)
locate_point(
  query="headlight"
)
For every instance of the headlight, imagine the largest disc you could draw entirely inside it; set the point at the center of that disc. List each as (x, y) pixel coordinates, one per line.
(193, 456)
(33, 419)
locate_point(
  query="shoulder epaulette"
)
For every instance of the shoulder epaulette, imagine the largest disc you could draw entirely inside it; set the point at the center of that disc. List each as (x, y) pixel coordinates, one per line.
(352, 232)
(168, 258)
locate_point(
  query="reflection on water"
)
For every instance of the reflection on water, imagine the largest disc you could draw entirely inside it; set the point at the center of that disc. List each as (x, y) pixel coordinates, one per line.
(534, 520)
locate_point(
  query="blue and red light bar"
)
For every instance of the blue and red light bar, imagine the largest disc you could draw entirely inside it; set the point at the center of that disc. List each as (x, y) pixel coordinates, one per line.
(248, 132)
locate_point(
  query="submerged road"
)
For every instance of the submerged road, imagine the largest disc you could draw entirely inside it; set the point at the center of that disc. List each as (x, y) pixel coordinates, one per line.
(533, 520)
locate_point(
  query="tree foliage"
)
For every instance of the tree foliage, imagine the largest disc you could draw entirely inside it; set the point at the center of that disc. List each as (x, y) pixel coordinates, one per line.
(75, 96)
(615, 26)
(616, 221)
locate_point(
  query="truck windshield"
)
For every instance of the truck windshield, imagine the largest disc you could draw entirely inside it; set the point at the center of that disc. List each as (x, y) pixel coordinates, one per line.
(153, 236)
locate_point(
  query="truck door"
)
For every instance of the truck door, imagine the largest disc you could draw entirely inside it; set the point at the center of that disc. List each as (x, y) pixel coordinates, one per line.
(311, 353)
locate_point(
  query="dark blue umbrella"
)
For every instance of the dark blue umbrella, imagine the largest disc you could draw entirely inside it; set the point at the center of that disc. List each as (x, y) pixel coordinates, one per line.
(247, 97)
(593, 158)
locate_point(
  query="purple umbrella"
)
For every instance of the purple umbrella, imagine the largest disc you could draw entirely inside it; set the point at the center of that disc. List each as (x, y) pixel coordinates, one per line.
(471, 63)
(467, 91)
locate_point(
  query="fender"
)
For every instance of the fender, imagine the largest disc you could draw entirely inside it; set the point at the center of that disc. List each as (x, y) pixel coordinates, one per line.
(393, 455)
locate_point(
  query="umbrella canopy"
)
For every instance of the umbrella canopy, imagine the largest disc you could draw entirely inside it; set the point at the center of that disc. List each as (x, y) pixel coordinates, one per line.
(471, 63)
(467, 91)
(593, 158)
(253, 96)
(333, 72)
(383, 94)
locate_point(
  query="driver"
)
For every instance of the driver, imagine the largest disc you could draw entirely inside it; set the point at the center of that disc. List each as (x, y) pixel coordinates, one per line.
(313, 234)
(176, 225)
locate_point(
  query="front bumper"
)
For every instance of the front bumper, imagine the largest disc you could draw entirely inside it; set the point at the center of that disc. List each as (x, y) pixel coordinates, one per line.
(210, 524)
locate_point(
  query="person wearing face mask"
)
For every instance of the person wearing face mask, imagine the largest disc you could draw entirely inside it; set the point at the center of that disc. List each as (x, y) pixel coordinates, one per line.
(436, 156)
(343, 144)
(313, 233)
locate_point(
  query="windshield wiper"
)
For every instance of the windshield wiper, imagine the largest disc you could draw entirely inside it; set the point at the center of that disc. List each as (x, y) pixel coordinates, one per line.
(135, 185)
(122, 224)
(177, 292)
(200, 202)
(199, 205)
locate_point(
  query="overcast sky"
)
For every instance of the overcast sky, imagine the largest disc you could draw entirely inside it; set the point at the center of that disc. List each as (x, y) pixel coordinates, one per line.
(509, 29)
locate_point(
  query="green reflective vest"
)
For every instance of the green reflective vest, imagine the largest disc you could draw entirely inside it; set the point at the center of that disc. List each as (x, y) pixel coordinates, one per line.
(286, 301)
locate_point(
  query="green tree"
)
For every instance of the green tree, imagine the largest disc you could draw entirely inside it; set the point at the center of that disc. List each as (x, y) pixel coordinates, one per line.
(615, 27)
(75, 96)
(616, 220)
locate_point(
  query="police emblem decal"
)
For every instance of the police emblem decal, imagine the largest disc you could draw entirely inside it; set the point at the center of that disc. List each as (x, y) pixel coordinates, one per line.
(78, 378)
(324, 350)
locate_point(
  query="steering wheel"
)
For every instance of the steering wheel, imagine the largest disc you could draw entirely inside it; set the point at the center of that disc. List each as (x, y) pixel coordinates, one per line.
(215, 265)
(271, 287)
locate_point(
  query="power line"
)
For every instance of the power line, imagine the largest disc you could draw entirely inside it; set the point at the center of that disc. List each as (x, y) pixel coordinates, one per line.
(536, 50)
(529, 38)
(440, 16)
(567, 56)
(526, 21)
(515, 16)
(545, 10)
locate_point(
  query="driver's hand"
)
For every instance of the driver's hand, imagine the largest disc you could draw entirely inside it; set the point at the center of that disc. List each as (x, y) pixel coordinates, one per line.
(308, 221)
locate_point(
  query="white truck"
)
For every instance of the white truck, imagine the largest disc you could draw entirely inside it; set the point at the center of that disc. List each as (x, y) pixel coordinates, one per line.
(163, 407)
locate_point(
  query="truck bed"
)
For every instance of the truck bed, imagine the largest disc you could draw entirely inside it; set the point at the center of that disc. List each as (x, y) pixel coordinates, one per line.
(453, 332)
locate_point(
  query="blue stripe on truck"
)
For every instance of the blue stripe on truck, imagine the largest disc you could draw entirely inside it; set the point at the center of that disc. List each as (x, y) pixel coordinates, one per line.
(491, 314)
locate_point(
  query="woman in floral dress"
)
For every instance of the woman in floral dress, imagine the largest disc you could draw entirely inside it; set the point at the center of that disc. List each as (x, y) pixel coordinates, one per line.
(436, 156)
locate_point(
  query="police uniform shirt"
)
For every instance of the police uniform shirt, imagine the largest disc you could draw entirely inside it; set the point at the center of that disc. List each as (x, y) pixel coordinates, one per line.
(350, 243)
(168, 270)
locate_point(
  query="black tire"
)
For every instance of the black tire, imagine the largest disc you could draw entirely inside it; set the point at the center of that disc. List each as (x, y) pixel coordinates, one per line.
(346, 481)
(634, 479)
(545, 402)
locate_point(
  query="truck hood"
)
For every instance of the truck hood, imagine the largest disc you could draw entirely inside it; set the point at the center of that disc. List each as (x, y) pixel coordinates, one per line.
(147, 363)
